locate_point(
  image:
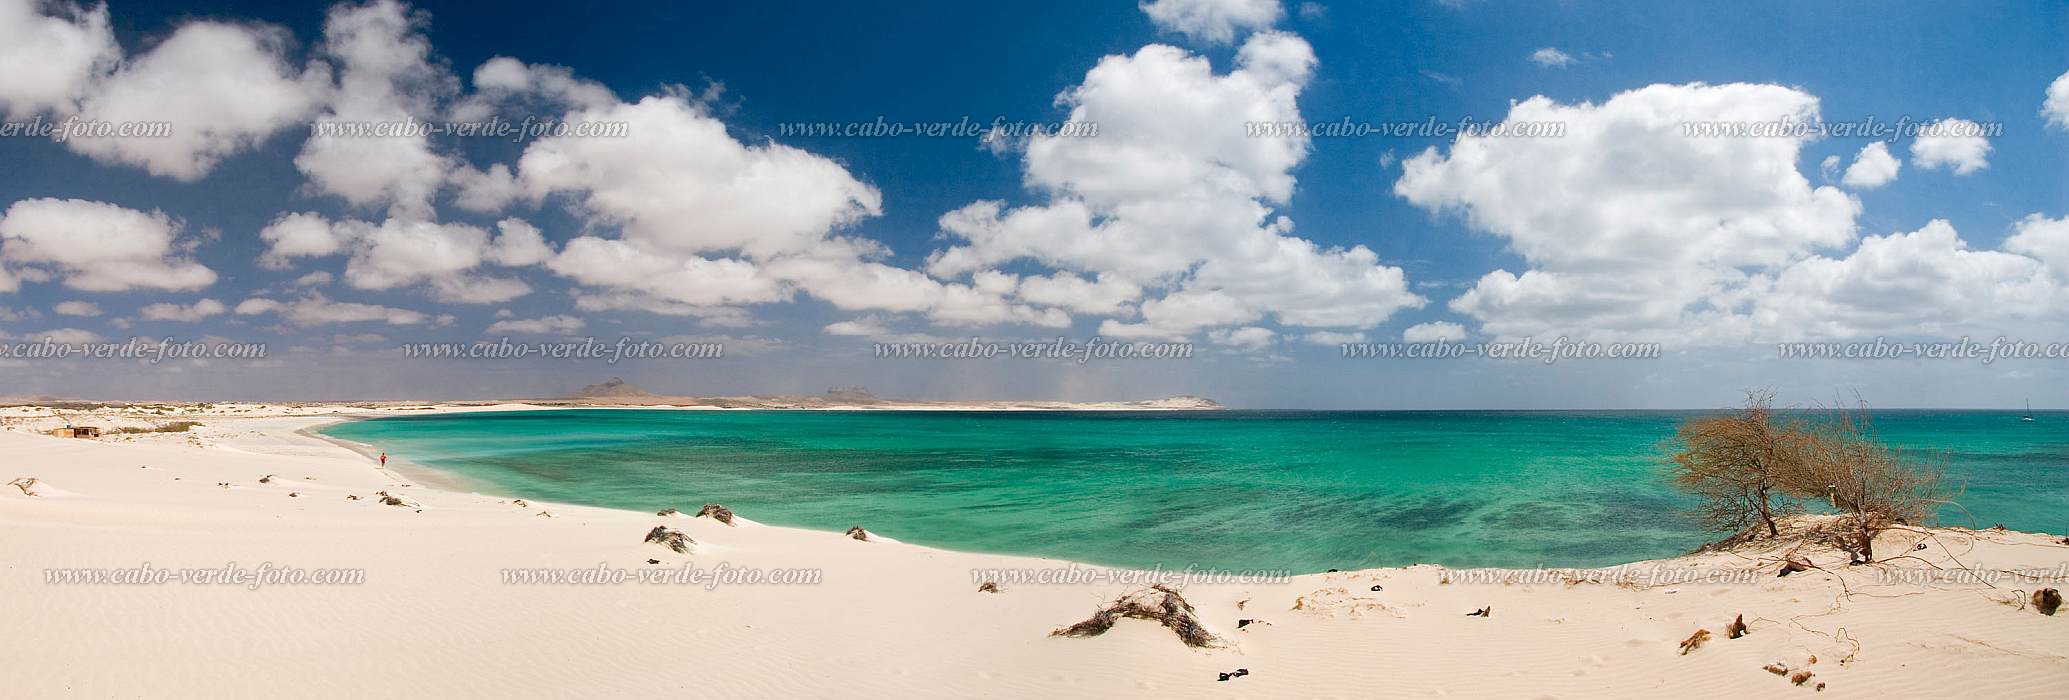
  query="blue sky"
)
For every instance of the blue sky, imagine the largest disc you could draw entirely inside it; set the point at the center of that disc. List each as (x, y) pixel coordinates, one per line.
(1714, 248)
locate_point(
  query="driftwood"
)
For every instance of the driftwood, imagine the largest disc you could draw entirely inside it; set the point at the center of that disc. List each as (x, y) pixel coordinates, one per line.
(668, 513)
(1800, 676)
(1694, 641)
(1736, 629)
(388, 500)
(858, 533)
(988, 587)
(716, 512)
(27, 484)
(1793, 565)
(1483, 612)
(1158, 603)
(672, 539)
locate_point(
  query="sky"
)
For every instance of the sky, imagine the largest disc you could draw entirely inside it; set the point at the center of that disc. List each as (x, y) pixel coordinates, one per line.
(712, 218)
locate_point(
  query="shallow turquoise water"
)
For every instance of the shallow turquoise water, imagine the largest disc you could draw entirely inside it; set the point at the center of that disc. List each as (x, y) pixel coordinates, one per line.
(1301, 490)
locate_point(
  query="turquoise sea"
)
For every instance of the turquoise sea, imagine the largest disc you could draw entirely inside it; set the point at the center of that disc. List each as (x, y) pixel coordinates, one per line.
(1301, 490)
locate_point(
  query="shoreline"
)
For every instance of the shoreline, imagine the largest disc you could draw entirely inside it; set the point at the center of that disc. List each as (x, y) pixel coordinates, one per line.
(406, 472)
(889, 619)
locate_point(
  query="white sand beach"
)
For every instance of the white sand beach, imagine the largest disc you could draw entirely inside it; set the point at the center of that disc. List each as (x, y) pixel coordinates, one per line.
(433, 616)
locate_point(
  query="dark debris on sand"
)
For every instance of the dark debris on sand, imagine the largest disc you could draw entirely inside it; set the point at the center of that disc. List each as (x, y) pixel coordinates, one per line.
(1157, 603)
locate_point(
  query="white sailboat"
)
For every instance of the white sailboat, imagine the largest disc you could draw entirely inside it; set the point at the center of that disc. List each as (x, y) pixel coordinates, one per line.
(2028, 418)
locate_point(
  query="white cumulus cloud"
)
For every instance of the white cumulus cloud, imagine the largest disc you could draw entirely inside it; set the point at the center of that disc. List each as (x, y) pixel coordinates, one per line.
(2056, 106)
(188, 313)
(1872, 168)
(1612, 254)
(99, 247)
(1955, 144)
(549, 325)
(1213, 21)
(1551, 57)
(51, 58)
(1434, 331)
(1169, 199)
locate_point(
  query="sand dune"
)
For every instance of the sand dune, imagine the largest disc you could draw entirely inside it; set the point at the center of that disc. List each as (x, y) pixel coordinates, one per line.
(434, 617)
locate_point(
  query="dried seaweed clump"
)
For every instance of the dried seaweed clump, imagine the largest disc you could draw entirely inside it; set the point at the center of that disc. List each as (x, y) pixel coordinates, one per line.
(674, 540)
(716, 512)
(668, 513)
(2047, 601)
(1158, 603)
(858, 533)
(988, 587)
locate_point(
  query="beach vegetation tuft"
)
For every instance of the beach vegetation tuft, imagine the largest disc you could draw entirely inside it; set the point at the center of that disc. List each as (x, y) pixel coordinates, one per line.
(1157, 603)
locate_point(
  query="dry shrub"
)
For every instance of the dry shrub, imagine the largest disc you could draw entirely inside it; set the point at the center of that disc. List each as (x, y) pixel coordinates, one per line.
(1873, 485)
(1750, 469)
(670, 538)
(179, 426)
(716, 512)
(1157, 603)
(1737, 464)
